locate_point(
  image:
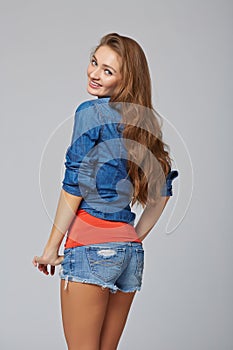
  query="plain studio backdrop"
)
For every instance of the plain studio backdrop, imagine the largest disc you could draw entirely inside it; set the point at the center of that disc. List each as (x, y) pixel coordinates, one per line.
(186, 299)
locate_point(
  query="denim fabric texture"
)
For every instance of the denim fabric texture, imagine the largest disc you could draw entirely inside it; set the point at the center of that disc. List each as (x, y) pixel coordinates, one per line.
(95, 166)
(114, 265)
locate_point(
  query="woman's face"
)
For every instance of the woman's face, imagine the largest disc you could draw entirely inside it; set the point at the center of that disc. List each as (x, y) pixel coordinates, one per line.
(103, 72)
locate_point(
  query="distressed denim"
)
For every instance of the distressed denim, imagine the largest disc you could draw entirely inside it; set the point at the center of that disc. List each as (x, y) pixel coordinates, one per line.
(95, 166)
(114, 265)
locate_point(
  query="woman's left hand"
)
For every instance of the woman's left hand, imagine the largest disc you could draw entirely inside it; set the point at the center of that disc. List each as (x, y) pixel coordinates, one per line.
(52, 259)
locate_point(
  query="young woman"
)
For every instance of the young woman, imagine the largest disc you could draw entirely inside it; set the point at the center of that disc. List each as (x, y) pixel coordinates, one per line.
(116, 158)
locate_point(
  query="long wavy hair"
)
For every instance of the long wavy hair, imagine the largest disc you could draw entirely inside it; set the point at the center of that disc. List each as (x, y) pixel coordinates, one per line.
(148, 160)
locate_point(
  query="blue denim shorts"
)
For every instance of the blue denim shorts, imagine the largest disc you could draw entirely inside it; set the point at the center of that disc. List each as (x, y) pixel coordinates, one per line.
(114, 265)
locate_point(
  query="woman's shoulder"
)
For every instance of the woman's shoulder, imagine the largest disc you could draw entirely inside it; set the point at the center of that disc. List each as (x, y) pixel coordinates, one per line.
(92, 103)
(88, 115)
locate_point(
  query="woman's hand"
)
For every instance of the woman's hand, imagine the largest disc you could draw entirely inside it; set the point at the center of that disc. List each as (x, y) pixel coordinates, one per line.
(47, 258)
(66, 211)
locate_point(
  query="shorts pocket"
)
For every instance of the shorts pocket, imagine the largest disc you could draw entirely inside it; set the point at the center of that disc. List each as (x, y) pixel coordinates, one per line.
(106, 263)
(139, 263)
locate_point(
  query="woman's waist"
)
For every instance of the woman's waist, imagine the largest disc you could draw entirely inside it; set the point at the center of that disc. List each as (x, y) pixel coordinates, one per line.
(86, 228)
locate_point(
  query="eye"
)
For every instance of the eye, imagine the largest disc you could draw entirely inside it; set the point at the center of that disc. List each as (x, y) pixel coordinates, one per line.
(108, 72)
(93, 62)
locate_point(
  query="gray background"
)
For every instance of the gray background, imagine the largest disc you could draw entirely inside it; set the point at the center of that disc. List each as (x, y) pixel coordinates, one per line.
(186, 300)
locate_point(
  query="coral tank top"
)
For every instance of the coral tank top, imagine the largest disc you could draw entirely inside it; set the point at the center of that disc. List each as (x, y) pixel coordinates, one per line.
(88, 229)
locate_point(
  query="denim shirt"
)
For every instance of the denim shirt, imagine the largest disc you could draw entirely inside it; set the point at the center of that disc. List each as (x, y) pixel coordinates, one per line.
(96, 164)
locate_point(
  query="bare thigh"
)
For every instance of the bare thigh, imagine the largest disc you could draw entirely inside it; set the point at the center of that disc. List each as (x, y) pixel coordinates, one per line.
(83, 309)
(115, 319)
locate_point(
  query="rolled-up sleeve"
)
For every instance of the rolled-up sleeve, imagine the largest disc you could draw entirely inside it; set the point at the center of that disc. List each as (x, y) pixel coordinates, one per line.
(167, 188)
(81, 155)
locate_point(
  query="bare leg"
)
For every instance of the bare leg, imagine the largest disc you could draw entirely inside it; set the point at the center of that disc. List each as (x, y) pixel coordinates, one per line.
(83, 310)
(115, 319)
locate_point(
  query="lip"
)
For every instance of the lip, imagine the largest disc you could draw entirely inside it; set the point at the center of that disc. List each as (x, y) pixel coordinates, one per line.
(94, 85)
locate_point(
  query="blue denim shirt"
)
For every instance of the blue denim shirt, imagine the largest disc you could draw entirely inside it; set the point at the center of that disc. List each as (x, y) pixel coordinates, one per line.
(96, 161)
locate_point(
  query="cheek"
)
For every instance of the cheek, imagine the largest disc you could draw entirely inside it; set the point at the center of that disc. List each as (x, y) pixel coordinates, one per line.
(112, 83)
(116, 84)
(89, 69)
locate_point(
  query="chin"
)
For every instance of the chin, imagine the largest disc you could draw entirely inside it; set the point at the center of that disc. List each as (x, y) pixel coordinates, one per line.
(93, 93)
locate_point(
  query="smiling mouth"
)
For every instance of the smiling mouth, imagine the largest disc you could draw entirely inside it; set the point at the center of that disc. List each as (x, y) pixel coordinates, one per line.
(94, 84)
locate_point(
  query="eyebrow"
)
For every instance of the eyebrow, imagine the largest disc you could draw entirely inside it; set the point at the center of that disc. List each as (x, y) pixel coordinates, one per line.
(105, 65)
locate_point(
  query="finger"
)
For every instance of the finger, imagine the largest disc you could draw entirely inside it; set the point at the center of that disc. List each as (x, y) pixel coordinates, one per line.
(34, 261)
(45, 270)
(52, 270)
(41, 267)
(58, 261)
(61, 258)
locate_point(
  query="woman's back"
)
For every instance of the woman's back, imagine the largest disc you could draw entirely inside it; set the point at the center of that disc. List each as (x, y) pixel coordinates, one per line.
(96, 163)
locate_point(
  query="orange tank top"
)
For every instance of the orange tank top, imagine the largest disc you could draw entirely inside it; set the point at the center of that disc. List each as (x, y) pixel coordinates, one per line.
(88, 229)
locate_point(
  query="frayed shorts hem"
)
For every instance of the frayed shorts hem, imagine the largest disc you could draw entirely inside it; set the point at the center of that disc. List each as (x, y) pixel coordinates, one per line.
(112, 289)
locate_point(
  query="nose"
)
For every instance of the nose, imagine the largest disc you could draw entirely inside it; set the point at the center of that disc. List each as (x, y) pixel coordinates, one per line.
(95, 73)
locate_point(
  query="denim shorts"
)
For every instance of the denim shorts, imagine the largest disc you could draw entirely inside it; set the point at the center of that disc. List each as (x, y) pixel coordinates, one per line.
(114, 265)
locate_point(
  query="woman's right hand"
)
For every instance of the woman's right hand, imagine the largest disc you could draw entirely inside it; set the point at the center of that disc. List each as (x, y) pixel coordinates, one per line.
(52, 259)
